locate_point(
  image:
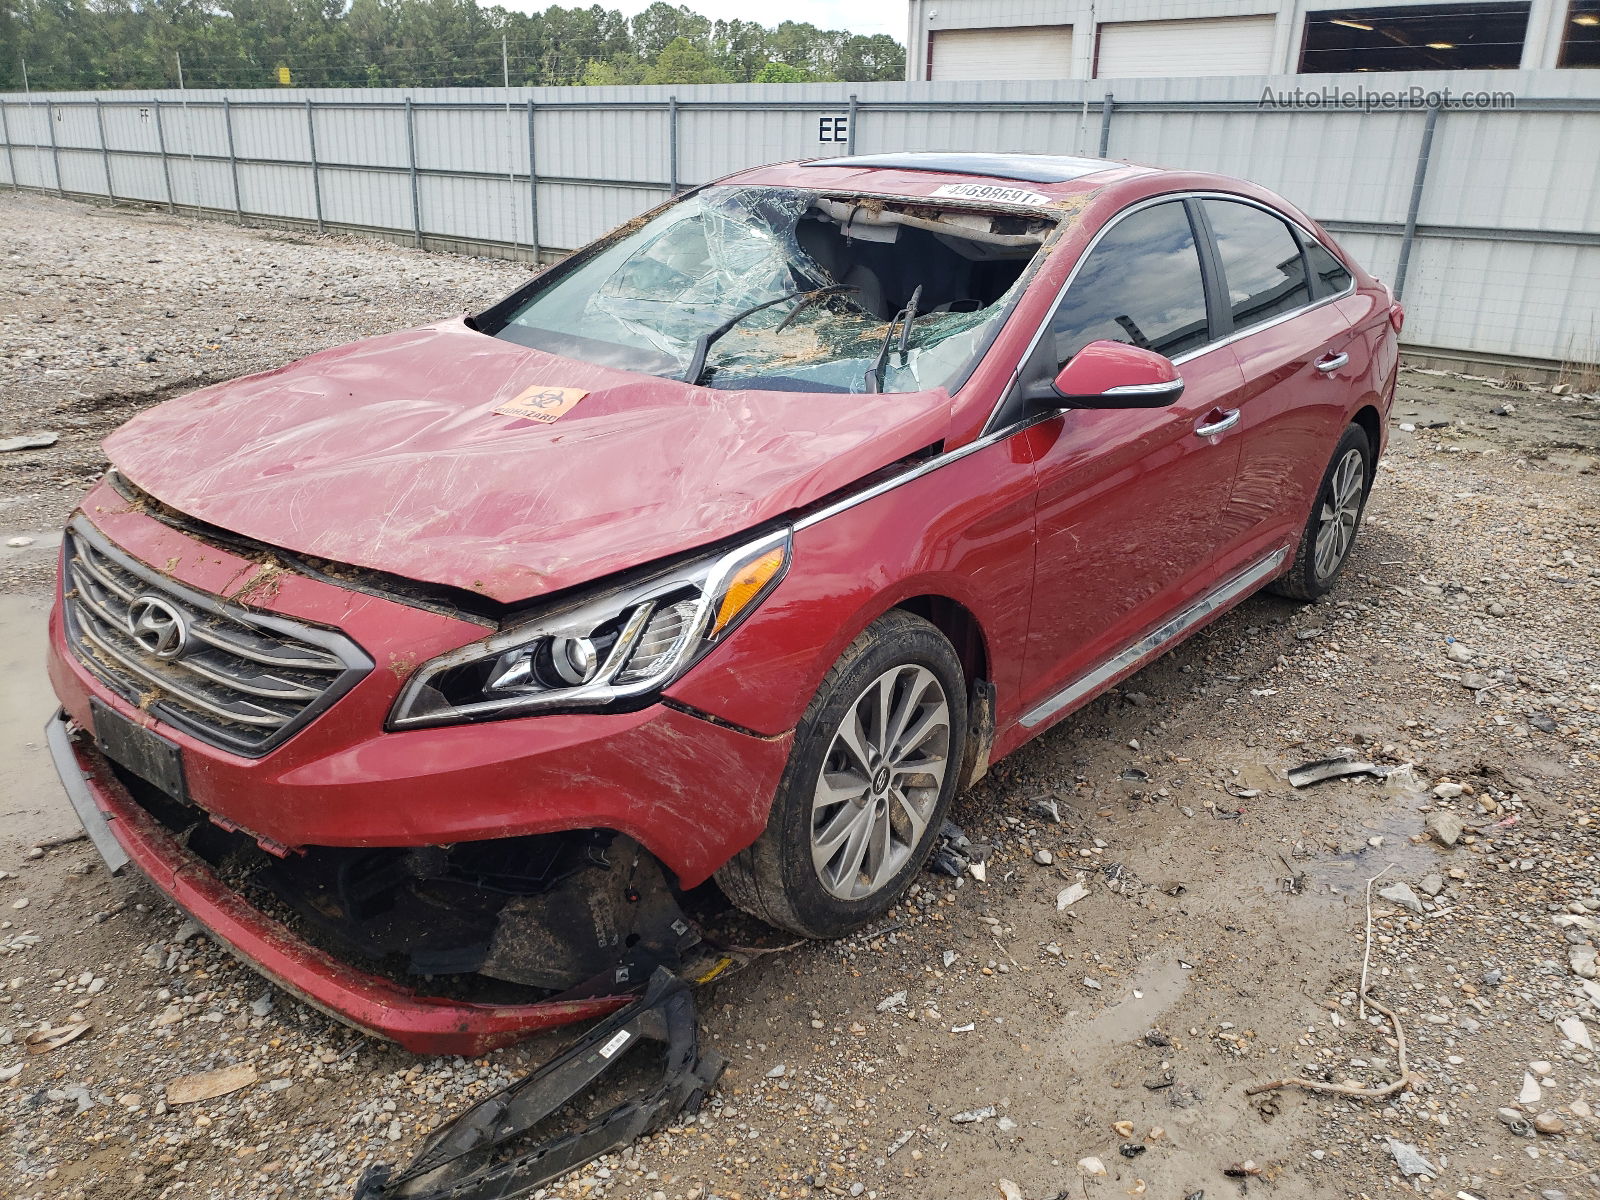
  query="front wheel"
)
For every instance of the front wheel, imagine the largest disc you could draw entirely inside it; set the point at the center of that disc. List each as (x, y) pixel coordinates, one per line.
(1330, 534)
(874, 764)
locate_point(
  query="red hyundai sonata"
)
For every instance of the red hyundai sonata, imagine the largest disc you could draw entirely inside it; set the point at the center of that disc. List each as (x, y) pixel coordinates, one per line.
(437, 672)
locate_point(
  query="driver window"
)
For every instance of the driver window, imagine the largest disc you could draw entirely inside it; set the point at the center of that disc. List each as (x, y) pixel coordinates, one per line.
(1141, 284)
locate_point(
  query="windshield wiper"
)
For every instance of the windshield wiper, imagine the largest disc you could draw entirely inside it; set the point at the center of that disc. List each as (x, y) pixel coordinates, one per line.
(903, 318)
(703, 343)
(812, 298)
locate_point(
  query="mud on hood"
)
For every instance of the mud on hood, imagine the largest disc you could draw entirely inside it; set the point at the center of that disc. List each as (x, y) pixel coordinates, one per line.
(388, 454)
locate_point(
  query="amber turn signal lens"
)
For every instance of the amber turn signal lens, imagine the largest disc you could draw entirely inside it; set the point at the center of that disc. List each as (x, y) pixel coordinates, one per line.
(746, 584)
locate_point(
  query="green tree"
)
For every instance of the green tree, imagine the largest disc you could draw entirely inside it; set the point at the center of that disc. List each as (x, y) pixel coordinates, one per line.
(739, 47)
(780, 72)
(613, 72)
(658, 26)
(862, 59)
(681, 61)
(72, 44)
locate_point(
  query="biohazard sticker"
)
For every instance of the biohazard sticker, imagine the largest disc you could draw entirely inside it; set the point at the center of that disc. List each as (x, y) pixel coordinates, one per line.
(991, 191)
(542, 403)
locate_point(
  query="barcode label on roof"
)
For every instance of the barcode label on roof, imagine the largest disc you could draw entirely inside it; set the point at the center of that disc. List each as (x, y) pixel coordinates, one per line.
(991, 191)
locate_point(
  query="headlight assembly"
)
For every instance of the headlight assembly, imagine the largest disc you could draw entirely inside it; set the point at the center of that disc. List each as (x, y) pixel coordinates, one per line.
(615, 645)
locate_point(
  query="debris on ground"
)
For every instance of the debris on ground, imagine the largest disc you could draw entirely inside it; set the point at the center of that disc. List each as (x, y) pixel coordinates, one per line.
(42, 1041)
(491, 1150)
(1070, 895)
(973, 1116)
(1338, 767)
(208, 1085)
(952, 853)
(39, 441)
(1410, 1161)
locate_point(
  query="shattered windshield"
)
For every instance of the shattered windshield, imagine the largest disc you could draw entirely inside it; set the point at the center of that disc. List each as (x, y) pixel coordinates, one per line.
(773, 288)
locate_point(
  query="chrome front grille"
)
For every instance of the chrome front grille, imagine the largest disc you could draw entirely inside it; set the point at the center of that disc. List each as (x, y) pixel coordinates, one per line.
(239, 679)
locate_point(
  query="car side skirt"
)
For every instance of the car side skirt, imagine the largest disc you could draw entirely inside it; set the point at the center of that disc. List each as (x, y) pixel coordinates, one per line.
(1131, 657)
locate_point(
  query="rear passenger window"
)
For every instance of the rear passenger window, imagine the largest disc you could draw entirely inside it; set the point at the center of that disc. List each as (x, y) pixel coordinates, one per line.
(1141, 285)
(1262, 267)
(1334, 278)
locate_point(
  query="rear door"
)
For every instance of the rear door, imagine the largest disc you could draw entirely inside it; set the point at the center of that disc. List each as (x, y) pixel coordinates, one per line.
(1130, 500)
(1298, 356)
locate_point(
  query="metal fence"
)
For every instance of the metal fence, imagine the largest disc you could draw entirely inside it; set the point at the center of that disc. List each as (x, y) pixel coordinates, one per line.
(1487, 219)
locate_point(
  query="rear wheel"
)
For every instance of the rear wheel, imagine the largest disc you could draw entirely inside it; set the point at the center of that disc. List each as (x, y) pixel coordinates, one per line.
(1330, 533)
(873, 766)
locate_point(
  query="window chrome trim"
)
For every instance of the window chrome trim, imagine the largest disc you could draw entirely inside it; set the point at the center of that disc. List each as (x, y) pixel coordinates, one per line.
(1151, 202)
(1157, 640)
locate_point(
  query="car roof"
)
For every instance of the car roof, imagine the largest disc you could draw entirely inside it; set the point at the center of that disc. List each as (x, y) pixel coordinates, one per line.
(1028, 179)
(1026, 168)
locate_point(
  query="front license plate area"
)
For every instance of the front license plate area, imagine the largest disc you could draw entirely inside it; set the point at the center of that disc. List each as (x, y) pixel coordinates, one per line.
(153, 758)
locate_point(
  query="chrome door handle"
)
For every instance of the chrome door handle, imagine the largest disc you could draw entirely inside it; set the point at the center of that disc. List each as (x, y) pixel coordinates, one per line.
(1222, 424)
(1332, 363)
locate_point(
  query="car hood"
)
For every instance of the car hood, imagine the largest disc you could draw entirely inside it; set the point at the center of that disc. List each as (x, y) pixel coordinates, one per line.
(389, 454)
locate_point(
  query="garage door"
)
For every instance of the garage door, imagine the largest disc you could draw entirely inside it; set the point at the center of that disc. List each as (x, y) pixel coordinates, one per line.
(1031, 52)
(1223, 46)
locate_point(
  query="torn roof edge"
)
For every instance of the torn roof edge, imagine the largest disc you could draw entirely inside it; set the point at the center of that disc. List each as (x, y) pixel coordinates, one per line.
(1025, 168)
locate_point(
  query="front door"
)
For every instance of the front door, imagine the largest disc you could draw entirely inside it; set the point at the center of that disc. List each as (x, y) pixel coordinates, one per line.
(1130, 501)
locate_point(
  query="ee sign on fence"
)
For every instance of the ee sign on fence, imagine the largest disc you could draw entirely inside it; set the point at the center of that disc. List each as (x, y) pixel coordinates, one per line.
(834, 130)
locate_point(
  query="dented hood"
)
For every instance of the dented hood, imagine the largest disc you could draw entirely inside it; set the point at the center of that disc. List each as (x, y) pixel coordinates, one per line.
(389, 454)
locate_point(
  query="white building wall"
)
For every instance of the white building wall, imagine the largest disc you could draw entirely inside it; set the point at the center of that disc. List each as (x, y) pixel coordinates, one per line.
(1541, 49)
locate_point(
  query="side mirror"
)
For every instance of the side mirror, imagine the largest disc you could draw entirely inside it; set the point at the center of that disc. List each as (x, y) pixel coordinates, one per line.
(1109, 374)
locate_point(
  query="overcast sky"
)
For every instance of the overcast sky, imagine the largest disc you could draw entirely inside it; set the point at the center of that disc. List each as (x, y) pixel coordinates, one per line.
(858, 16)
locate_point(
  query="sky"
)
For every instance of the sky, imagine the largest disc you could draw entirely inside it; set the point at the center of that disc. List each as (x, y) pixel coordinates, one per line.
(858, 16)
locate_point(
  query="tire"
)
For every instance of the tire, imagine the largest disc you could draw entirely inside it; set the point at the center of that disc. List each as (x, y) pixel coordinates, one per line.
(834, 800)
(1335, 520)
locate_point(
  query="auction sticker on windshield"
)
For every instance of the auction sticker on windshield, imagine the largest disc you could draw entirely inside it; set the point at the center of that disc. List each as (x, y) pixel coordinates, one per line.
(991, 191)
(541, 403)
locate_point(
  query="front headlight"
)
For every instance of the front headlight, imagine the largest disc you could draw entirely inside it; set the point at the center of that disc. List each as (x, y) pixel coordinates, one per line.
(622, 643)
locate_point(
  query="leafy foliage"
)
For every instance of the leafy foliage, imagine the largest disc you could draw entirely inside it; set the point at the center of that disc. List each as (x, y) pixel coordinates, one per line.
(84, 44)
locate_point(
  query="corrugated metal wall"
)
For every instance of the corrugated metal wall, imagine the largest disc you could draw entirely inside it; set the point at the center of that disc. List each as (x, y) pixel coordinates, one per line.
(1504, 260)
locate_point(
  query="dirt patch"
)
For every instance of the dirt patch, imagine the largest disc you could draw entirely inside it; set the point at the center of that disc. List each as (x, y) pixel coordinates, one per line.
(105, 312)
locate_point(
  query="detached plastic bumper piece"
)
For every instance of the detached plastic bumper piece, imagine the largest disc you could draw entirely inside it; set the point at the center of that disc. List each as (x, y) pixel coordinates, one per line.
(489, 1152)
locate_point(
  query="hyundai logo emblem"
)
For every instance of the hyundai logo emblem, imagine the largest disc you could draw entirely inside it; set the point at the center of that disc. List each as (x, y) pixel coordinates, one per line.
(157, 626)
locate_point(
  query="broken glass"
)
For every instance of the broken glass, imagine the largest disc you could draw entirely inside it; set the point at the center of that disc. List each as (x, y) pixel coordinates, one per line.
(641, 302)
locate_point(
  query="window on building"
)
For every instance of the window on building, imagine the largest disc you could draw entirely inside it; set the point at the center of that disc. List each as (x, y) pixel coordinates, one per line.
(1580, 36)
(1262, 267)
(1416, 38)
(1141, 284)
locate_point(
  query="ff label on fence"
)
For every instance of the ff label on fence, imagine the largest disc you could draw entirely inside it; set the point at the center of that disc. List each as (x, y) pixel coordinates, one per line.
(833, 129)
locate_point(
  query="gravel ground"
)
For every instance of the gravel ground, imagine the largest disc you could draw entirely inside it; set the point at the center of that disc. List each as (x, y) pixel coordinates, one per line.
(1103, 1049)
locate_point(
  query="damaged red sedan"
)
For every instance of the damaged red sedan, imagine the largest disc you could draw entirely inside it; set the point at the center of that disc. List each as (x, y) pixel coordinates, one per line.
(436, 674)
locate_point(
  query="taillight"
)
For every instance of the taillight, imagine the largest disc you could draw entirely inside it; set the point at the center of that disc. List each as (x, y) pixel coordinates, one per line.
(1397, 315)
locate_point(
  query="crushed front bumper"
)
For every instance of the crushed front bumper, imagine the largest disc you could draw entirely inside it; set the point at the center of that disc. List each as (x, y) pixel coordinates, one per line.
(124, 832)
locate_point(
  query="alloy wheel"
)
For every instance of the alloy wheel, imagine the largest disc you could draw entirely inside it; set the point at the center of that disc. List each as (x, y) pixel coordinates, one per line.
(1341, 512)
(880, 781)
